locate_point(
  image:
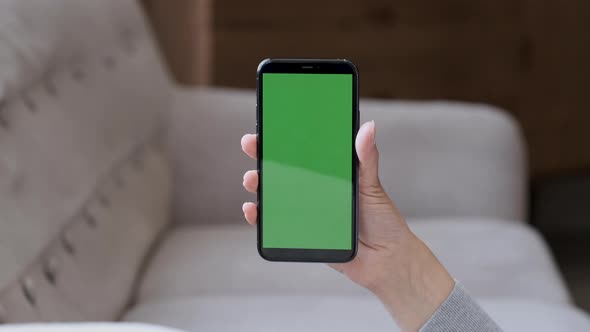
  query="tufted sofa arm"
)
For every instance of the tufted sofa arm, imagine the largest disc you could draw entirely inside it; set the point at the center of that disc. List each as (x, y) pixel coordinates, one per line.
(84, 184)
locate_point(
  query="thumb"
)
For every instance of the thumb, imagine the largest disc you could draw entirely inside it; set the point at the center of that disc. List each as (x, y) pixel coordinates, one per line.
(368, 155)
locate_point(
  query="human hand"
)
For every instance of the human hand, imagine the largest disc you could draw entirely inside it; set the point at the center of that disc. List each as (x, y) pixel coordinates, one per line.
(391, 261)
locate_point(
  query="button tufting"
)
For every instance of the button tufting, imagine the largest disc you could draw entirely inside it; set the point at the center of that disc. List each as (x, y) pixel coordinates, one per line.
(138, 157)
(50, 88)
(27, 287)
(3, 121)
(119, 181)
(29, 104)
(90, 220)
(67, 244)
(109, 62)
(78, 74)
(104, 201)
(50, 270)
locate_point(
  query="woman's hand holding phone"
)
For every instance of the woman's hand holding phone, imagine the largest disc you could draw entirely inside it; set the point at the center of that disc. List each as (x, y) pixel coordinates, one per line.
(391, 261)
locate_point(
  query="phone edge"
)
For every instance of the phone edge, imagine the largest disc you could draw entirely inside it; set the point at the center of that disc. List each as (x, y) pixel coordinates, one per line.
(356, 126)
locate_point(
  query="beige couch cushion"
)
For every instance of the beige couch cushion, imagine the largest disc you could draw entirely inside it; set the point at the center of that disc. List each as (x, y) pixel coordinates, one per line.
(212, 279)
(84, 183)
(295, 313)
(492, 258)
(86, 327)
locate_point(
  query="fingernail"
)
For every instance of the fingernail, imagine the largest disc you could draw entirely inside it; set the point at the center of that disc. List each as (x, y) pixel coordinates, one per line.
(374, 132)
(244, 207)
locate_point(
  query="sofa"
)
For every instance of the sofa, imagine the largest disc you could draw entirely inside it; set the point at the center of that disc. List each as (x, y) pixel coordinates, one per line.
(120, 195)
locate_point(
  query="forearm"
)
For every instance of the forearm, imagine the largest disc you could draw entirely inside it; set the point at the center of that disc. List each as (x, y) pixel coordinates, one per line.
(422, 296)
(414, 286)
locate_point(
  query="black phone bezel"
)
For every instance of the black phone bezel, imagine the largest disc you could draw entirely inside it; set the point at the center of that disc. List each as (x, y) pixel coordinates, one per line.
(308, 66)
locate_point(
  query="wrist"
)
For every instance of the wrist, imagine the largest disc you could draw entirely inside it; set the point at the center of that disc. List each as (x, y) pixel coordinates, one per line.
(413, 285)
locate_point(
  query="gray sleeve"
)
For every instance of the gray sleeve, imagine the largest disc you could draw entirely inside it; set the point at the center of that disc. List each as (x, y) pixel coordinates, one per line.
(460, 313)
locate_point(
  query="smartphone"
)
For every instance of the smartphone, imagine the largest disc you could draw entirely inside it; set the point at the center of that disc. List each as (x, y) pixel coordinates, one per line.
(307, 119)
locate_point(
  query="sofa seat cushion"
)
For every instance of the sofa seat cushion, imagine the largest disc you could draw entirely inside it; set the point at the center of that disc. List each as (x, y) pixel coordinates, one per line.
(348, 313)
(84, 327)
(491, 258)
(494, 258)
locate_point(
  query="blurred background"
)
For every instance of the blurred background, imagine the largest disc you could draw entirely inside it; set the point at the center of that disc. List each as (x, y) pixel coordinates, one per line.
(529, 57)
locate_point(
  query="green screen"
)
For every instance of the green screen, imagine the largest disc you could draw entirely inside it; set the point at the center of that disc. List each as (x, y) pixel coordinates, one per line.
(307, 161)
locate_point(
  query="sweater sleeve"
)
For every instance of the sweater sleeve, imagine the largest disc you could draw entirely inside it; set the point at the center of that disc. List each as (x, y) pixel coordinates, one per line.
(460, 313)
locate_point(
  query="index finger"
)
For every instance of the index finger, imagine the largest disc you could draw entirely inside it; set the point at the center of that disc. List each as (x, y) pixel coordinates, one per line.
(249, 145)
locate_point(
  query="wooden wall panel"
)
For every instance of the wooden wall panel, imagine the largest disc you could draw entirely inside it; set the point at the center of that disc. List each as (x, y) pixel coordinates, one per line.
(454, 63)
(183, 30)
(404, 49)
(458, 12)
(304, 14)
(527, 56)
(238, 68)
(555, 100)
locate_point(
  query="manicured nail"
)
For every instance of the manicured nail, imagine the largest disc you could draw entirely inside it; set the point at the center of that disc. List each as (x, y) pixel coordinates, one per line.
(244, 207)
